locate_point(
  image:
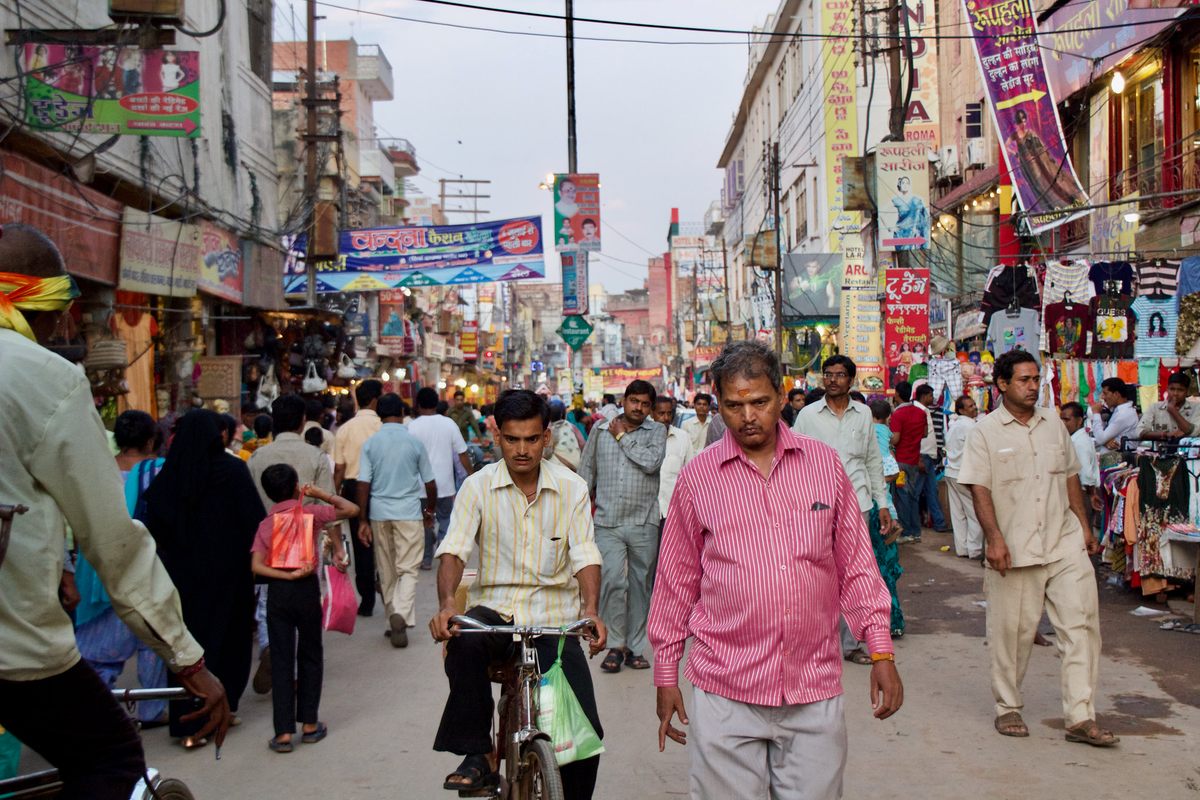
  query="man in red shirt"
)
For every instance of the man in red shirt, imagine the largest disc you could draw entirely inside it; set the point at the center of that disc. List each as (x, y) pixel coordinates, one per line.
(911, 424)
(760, 594)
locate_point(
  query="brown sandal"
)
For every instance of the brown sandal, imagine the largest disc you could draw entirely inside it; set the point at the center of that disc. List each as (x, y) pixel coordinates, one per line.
(1011, 724)
(1089, 732)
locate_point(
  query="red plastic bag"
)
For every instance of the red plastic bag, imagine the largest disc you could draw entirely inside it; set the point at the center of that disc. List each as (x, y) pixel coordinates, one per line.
(339, 608)
(291, 539)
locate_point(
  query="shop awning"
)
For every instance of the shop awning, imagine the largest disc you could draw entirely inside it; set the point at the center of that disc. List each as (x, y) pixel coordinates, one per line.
(981, 182)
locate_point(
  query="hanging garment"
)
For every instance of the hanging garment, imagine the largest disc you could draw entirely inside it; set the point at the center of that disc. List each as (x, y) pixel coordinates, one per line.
(1156, 328)
(1067, 279)
(1128, 372)
(1018, 332)
(1158, 277)
(1085, 384)
(1112, 323)
(1189, 280)
(1104, 273)
(1147, 379)
(1006, 283)
(1068, 329)
(1187, 332)
(945, 373)
(138, 336)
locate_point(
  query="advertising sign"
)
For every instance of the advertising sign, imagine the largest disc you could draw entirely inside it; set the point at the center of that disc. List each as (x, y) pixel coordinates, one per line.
(575, 330)
(617, 378)
(468, 341)
(393, 327)
(860, 320)
(1010, 63)
(902, 181)
(374, 259)
(921, 121)
(574, 281)
(905, 320)
(577, 211)
(158, 256)
(112, 90)
(841, 113)
(812, 284)
(221, 273)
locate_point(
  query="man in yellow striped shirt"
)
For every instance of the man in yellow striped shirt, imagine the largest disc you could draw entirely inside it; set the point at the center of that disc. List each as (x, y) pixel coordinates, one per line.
(538, 565)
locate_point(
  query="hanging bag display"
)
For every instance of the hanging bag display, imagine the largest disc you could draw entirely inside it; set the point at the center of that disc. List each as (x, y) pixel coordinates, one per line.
(291, 539)
(313, 382)
(561, 716)
(268, 388)
(346, 369)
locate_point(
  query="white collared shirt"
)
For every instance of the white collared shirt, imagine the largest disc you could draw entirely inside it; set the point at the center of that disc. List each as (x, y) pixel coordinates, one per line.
(679, 452)
(956, 443)
(852, 435)
(1123, 422)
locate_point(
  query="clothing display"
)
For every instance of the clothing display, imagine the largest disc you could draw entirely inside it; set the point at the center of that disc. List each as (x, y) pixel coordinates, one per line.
(1189, 279)
(137, 330)
(1067, 280)
(1007, 283)
(1158, 277)
(1112, 325)
(1068, 329)
(1112, 277)
(1187, 332)
(1156, 327)
(1020, 332)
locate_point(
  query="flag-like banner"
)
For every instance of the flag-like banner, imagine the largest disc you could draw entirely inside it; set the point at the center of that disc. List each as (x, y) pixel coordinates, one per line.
(1035, 151)
(577, 211)
(375, 259)
(902, 180)
(575, 281)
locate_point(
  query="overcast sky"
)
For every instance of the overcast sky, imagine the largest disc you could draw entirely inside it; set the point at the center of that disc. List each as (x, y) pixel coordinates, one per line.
(651, 119)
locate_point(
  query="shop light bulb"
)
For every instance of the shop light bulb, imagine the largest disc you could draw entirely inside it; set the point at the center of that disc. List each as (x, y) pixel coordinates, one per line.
(474, 388)
(441, 384)
(1131, 217)
(461, 383)
(386, 377)
(401, 373)
(1118, 82)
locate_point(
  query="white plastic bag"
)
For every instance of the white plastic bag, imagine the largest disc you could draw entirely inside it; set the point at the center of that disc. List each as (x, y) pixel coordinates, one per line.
(313, 382)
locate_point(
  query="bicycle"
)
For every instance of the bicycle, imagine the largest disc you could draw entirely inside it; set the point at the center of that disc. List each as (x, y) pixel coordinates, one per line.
(152, 786)
(531, 769)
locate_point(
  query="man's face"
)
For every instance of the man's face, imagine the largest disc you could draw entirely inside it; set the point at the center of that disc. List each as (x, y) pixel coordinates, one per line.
(837, 381)
(797, 402)
(1022, 391)
(521, 444)
(637, 408)
(1176, 394)
(926, 399)
(459, 400)
(969, 409)
(1072, 422)
(664, 412)
(750, 408)
(702, 409)
(1111, 399)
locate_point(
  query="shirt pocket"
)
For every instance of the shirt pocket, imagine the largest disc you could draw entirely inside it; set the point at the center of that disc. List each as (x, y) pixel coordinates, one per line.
(552, 556)
(1008, 465)
(1056, 460)
(809, 532)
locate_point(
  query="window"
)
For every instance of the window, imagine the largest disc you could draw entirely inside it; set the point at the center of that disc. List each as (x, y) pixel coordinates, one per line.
(801, 212)
(1142, 134)
(258, 15)
(974, 120)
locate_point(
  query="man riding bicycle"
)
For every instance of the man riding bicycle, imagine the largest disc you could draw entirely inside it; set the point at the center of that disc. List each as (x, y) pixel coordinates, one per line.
(56, 462)
(538, 565)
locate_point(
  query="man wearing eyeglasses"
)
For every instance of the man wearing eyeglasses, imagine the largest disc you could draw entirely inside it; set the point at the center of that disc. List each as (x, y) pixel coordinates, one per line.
(847, 426)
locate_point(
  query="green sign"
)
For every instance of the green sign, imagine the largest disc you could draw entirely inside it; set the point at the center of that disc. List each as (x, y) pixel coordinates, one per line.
(575, 330)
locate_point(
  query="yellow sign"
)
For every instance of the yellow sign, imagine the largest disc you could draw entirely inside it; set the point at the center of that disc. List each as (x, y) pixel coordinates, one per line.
(841, 113)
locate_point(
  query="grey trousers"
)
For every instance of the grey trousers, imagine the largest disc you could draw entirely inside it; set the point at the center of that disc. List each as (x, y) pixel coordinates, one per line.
(755, 752)
(628, 556)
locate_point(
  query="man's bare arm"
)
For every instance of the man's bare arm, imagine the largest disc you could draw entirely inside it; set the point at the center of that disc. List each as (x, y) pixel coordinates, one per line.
(449, 576)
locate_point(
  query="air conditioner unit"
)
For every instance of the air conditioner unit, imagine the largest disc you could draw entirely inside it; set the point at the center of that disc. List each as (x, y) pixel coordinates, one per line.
(160, 11)
(948, 164)
(976, 153)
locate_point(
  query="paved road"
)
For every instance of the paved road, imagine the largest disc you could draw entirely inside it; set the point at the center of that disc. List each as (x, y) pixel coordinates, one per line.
(383, 705)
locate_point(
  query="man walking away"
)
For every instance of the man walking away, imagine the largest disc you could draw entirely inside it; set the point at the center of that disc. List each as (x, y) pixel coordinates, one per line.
(395, 476)
(621, 466)
(1024, 479)
(910, 425)
(347, 448)
(930, 459)
(314, 412)
(444, 444)
(765, 659)
(697, 427)
(968, 536)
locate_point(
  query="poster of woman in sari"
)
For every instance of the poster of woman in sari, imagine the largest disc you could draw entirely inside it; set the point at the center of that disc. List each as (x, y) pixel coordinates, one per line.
(912, 217)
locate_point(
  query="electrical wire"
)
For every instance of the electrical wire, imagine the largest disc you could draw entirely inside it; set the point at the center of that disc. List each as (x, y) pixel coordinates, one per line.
(211, 31)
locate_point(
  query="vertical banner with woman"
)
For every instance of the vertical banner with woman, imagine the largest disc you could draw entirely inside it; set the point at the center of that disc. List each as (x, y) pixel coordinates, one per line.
(902, 178)
(1034, 148)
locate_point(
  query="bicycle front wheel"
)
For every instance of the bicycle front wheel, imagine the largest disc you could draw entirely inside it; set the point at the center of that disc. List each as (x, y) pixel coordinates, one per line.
(540, 779)
(170, 789)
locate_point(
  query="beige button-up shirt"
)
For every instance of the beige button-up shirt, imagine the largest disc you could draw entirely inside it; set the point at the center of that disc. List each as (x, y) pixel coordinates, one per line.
(1026, 466)
(56, 461)
(350, 438)
(289, 448)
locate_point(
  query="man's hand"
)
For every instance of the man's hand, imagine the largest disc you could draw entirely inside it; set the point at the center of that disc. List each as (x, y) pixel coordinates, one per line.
(885, 679)
(1090, 542)
(205, 686)
(1113, 444)
(598, 637)
(1097, 501)
(439, 626)
(670, 703)
(364, 533)
(998, 556)
(68, 592)
(921, 466)
(885, 521)
(617, 426)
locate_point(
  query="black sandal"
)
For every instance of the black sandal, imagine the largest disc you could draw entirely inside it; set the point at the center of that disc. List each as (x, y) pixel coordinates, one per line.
(477, 771)
(636, 662)
(612, 662)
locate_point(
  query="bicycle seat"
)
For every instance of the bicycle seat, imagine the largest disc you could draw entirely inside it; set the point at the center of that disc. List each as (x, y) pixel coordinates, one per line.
(502, 671)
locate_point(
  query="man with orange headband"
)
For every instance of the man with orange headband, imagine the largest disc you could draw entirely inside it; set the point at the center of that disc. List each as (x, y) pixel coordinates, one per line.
(55, 455)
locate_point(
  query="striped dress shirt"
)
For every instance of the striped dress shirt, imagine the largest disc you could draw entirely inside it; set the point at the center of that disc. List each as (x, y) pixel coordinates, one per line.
(758, 570)
(529, 553)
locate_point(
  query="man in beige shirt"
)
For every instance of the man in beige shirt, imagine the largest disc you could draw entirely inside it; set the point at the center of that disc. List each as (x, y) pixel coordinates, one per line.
(347, 448)
(1024, 479)
(55, 456)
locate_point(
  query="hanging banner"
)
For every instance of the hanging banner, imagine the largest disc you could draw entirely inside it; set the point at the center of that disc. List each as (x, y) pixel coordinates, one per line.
(859, 317)
(840, 89)
(1010, 63)
(902, 181)
(158, 256)
(617, 378)
(375, 259)
(812, 284)
(574, 281)
(112, 90)
(221, 273)
(921, 121)
(468, 341)
(905, 320)
(577, 212)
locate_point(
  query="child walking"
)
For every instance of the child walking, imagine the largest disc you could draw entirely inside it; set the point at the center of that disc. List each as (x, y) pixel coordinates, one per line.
(294, 607)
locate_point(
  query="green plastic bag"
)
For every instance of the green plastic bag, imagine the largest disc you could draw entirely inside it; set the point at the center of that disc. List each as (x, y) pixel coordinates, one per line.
(561, 716)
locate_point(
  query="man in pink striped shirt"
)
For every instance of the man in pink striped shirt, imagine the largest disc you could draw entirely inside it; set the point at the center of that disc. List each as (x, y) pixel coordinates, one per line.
(764, 547)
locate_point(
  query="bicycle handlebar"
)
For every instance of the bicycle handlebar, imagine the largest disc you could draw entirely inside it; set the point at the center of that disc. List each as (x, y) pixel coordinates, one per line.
(136, 695)
(469, 625)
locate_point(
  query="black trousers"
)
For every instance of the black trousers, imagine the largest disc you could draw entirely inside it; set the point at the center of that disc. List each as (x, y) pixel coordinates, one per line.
(73, 722)
(297, 654)
(467, 719)
(364, 557)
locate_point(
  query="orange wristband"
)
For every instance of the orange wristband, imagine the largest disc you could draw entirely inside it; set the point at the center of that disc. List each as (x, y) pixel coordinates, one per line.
(876, 657)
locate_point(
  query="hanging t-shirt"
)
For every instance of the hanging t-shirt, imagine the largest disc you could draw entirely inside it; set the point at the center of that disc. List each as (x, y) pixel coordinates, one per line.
(1067, 279)
(1157, 321)
(1068, 329)
(1006, 283)
(1019, 332)
(1187, 333)
(1158, 277)
(1113, 326)
(1105, 272)
(1189, 278)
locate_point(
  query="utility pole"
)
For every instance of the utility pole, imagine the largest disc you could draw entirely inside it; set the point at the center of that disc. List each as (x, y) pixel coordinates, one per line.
(778, 249)
(311, 180)
(572, 157)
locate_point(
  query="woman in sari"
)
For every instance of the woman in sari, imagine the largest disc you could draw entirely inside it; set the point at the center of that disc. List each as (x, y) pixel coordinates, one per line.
(203, 511)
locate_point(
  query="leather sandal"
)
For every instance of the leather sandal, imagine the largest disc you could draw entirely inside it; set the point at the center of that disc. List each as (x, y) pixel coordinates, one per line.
(1011, 724)
(612, 662)
(1089, 732)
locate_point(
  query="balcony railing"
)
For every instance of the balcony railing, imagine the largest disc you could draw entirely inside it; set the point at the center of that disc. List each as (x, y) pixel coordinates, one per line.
(1173, 172)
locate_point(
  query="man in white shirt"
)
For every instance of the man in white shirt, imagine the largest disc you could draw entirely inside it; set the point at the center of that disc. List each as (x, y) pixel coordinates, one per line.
(444, 443)
(968, 535)
(1123, 419)
(1072, 415)
(347, 449)
(609, 409)
(679, 452)
(697, 427)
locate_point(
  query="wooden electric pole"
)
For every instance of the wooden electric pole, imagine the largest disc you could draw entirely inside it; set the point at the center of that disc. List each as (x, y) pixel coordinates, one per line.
(311, 179)
(778, 249)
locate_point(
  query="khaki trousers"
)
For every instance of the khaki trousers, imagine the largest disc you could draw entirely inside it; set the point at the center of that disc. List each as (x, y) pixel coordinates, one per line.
(1067, 590)
(968, 534)
(399, 545)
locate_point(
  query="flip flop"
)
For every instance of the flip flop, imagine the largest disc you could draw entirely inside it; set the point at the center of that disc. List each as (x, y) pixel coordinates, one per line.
(636, 662)
(1011, 724)
(312, 737)
(280, 747)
